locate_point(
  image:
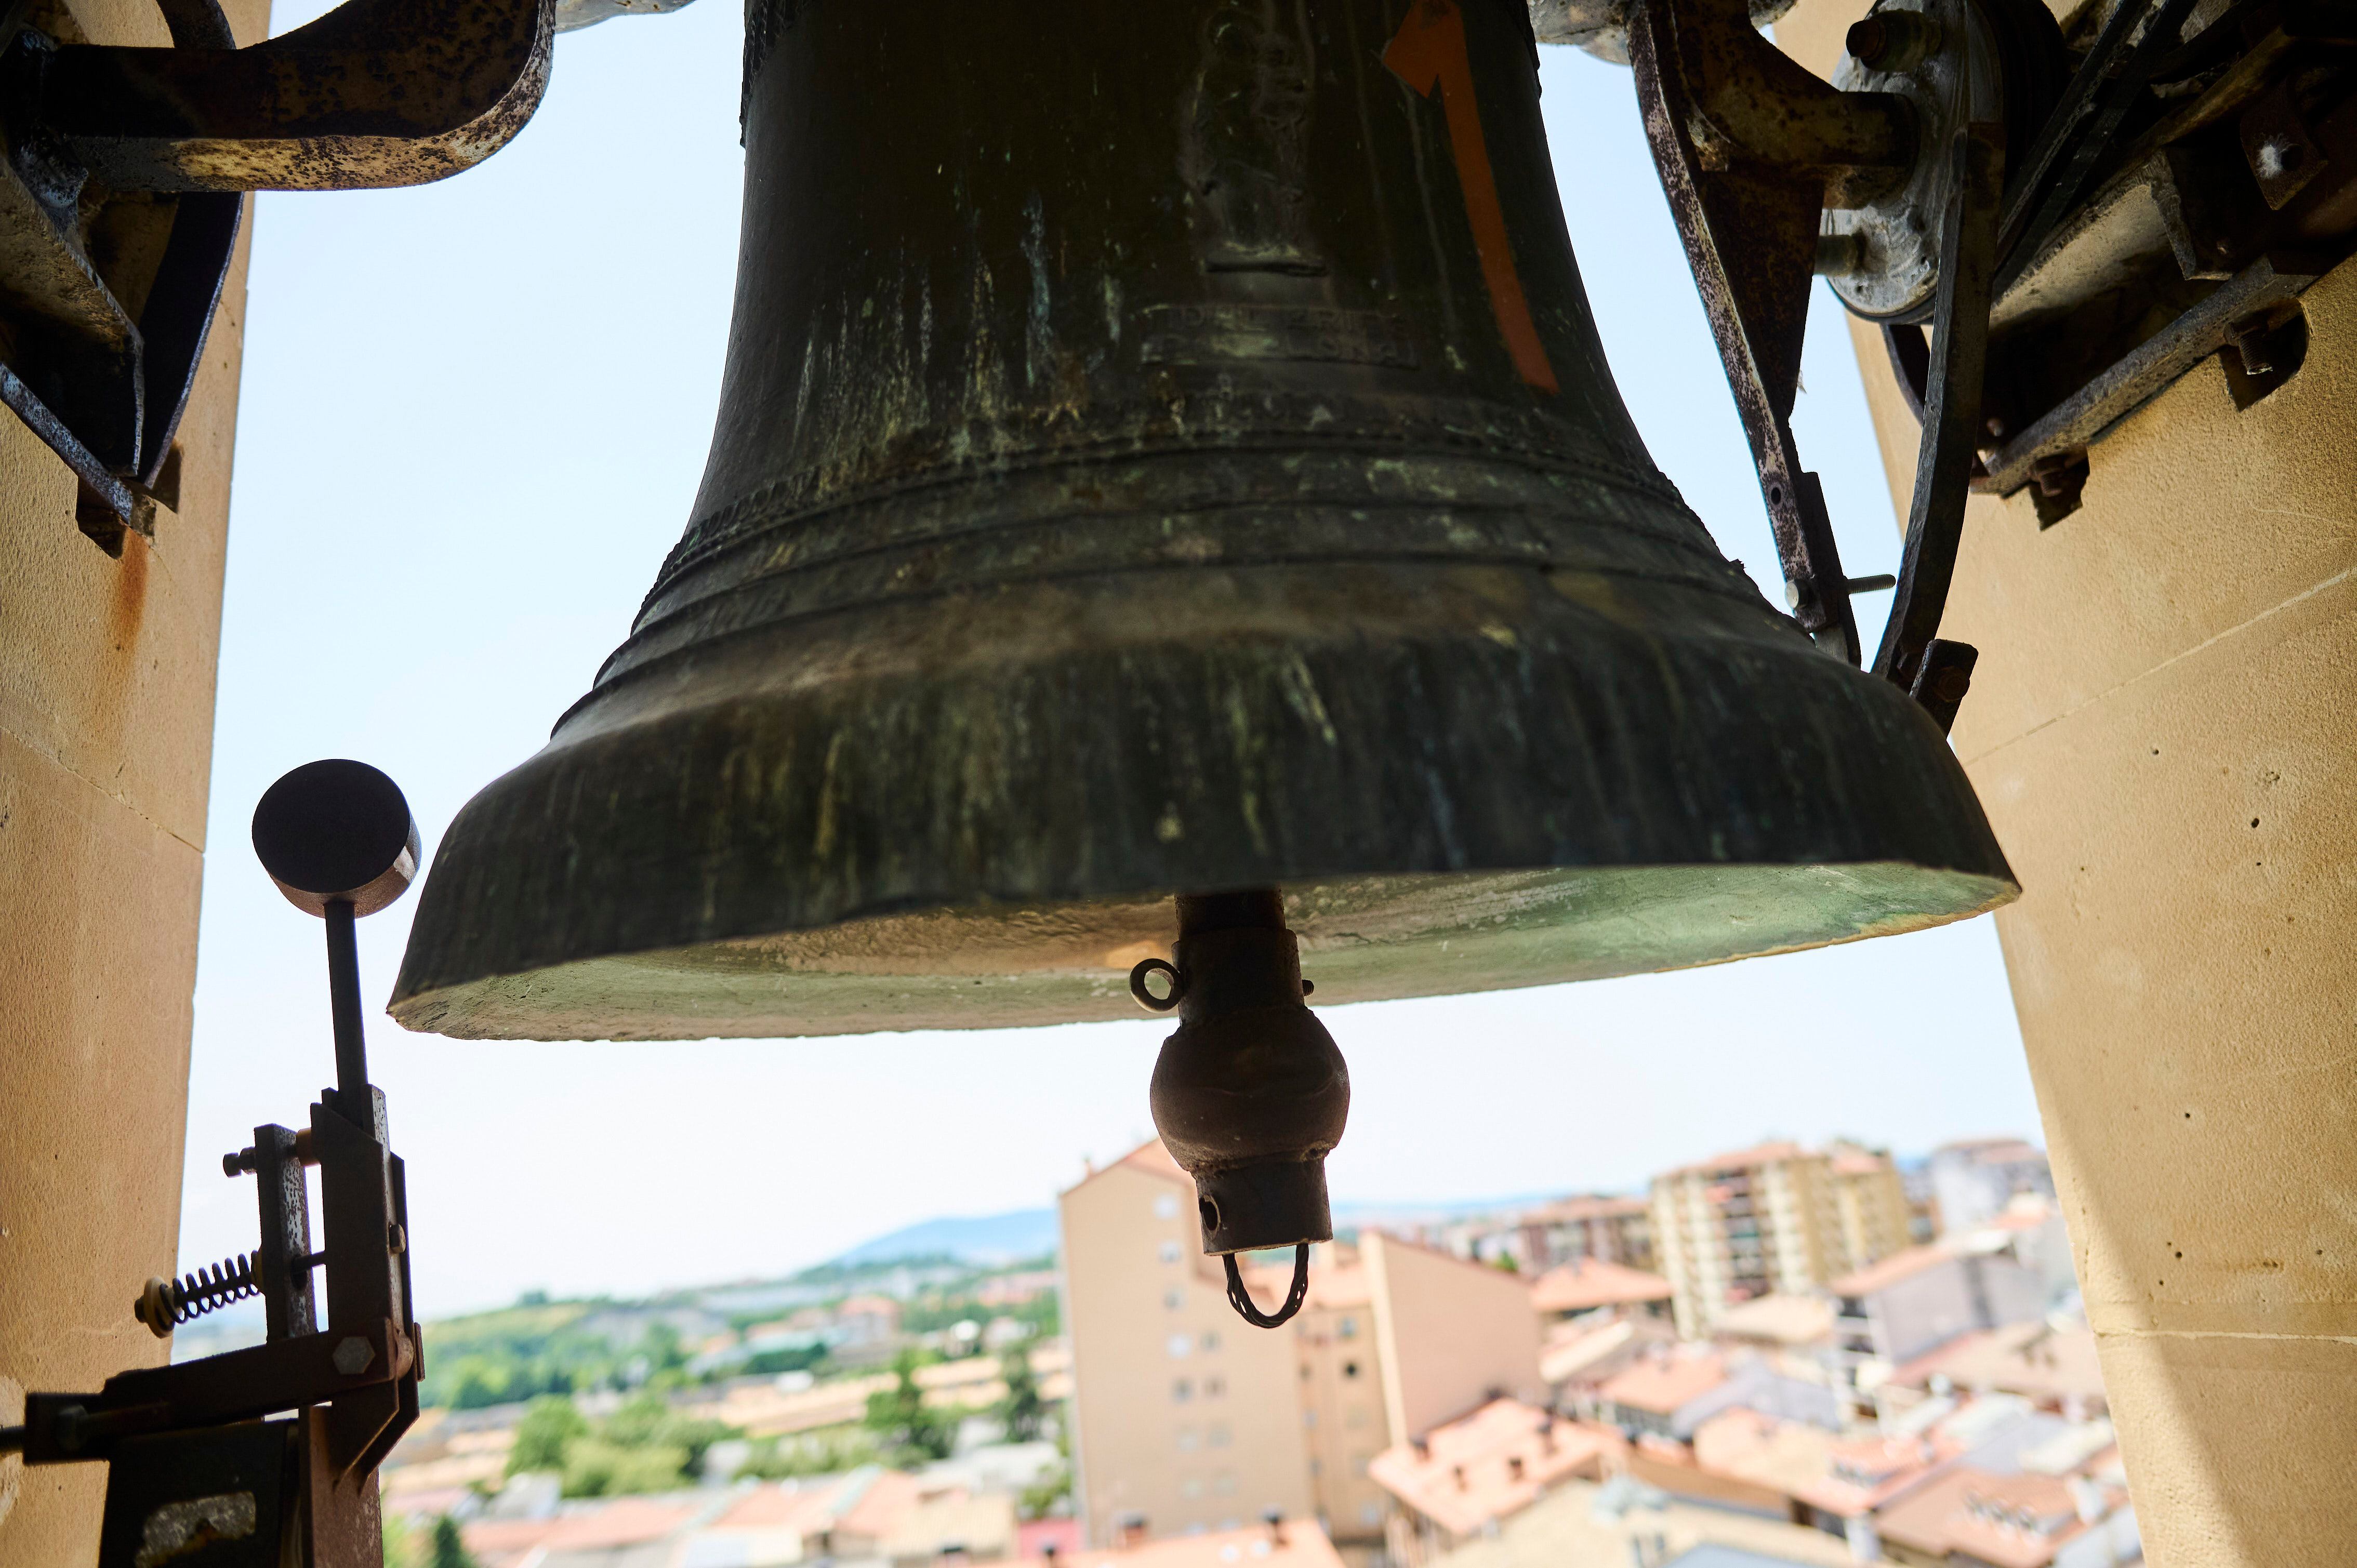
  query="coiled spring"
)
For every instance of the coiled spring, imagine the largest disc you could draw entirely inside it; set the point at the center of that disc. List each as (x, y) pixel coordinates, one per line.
(166, 1302)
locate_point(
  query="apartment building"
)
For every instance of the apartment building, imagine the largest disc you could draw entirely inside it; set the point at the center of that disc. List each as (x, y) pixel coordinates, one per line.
(1869, 1204)
(1341, 1390)
(1185, 1418)
(1775, 1218)
(1607, 1228)
(1974, 1180)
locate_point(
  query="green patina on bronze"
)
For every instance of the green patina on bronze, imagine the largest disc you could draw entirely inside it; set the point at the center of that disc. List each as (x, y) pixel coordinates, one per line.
(1121, 487)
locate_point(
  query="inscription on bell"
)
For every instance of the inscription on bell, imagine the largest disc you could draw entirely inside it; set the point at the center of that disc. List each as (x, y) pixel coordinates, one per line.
(1209, 334)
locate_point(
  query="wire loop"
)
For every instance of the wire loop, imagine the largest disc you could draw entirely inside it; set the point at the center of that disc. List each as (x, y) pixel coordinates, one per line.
(1241, 1298)
(1147, 999)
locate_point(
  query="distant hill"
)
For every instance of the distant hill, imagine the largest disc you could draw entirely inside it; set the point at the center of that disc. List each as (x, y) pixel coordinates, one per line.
(983, 1241)
(990, 1241)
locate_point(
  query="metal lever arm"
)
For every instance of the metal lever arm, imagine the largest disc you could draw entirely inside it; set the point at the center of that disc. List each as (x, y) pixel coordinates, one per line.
(376, 93)
(1749, 203)
(1952, 430)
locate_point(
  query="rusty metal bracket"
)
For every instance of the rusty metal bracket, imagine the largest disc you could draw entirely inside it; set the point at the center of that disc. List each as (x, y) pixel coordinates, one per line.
(2072, 426)
(1750, 149)
(1951, 428)
(377, 92)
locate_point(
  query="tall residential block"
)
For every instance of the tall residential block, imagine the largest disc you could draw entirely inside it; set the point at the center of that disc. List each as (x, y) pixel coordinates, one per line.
(1186, 1418)
(1774, 1219)
(1869, 1204)
(1613, 1228)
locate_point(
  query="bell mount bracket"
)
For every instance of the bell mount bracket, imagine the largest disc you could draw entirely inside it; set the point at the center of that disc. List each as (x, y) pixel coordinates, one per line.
(375, 93)
(338, 839)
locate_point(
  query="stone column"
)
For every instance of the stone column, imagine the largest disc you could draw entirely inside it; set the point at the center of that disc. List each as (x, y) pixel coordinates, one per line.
(2164, 730)
(106, 716)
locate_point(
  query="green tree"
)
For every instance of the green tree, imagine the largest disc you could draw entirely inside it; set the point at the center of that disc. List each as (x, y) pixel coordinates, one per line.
(1022, 1413)
(449, 1549)
(399, 1543)
(1045, 1495)
(598, 1467)
(1504, 1263)
(550, 1427)
(907, 1429)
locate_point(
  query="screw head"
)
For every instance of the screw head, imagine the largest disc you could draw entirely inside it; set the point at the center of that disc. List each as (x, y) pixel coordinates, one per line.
(353, 1354)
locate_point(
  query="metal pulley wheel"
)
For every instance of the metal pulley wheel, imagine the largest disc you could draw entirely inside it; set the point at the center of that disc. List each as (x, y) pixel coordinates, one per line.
(1955, 62)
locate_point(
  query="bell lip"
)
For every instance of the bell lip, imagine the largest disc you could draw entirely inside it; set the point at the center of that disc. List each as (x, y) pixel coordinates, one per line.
(1490, 723)
(502, 1007)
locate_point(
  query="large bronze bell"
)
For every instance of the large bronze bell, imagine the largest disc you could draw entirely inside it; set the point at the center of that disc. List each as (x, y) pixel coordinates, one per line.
(1166, 449)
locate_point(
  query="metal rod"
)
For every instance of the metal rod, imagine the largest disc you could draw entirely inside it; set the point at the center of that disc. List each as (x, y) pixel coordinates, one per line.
(344, 1006)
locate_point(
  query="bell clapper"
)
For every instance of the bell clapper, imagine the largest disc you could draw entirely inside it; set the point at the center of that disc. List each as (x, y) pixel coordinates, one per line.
(1249, 1092)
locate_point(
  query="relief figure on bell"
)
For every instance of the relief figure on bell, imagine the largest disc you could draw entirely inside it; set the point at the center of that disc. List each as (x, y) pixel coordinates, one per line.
(1245, 141)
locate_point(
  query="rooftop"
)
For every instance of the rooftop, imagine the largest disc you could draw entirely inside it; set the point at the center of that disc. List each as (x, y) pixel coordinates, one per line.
(1665, 1384)
(1489, 1465)
(1572, 1350)
(2034, 1359)
(1759, 1154)
(1781, 1456)
(1295, 1544)
(1890, 1270)
(1784, 1320)
(2007, 1521)
(1586, 1206)
(1585, 1284)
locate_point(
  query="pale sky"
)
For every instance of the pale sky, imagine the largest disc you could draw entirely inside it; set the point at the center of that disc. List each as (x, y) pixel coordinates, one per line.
(474, 418)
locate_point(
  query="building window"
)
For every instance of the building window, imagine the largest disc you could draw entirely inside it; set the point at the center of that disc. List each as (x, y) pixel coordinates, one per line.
(1309, 1419)
(1166, 1206)
(1169, 1251)
(1211, 1340)
(1178, 1345)
(1186, 1440)
(1371, 1514)
(1174, 1299)
(1191, 1487)
(1347, 1329)
(1181, 1391)
(1214, 1387)
(1224, 1483)
(1217, 1434)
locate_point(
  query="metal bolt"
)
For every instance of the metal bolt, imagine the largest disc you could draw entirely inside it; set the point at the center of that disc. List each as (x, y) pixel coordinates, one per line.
(394, 1242)
(1893, 41)
(352, 1356)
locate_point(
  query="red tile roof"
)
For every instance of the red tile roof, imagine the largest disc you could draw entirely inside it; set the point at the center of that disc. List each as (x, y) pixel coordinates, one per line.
(626, 1521)
(1585, 1284)
(1666, 1384)
(1033, 1538)
(1586, 1206)
(1302, 1545)
(2032, 1359)
(1900, 1265)
(2007, 1522)
(1745, 1159)
(1489, 1465)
